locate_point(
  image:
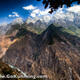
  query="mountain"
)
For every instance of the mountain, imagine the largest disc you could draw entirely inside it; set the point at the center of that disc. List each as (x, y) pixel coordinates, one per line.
(5, 27)
(37, 27)
(63, 16)
(66, 18)
(54, 53)
(38, 24)
(17, 21)
(7, 71)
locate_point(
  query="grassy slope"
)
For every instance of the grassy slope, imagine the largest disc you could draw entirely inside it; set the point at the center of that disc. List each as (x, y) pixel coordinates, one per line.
(71, 29)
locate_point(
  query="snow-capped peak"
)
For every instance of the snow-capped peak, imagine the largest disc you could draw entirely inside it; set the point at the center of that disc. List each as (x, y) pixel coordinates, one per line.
(63, 16)
(4, 27)
(3, 24)
(17, 21)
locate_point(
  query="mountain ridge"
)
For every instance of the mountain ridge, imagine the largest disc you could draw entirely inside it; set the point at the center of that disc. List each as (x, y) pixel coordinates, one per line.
(53, 53)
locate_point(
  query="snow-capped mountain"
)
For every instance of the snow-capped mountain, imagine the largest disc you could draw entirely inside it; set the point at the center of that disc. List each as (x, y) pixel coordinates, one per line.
(5, 27)
(63, 16)
(39, 22)
(17, 21)
(67, 17)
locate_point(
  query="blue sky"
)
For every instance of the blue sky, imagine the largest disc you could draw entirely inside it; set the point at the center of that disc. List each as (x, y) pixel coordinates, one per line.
(8, 7)
(11, 9)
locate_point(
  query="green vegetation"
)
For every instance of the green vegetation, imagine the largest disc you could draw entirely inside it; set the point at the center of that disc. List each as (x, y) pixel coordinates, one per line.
(21, 30)
(68, 31)
(72, 30)
(37, 30)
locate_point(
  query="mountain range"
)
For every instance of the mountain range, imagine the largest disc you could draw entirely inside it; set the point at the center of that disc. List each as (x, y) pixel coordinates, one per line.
(49, 45)
(5, 27)
(53, 53)
(63, 17)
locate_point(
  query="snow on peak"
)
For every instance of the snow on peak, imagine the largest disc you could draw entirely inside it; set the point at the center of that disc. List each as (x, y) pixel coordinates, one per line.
(3, 24)
(33, 20)
(4, 27)
(64, 16)
(17, 21)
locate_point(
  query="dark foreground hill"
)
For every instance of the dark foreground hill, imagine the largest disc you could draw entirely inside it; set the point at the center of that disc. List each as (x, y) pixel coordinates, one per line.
(53, 53)
(9, 73)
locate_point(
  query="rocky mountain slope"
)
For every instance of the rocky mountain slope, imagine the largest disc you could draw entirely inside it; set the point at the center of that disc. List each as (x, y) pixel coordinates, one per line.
(4, 27)
(6, 72)
(54, 53)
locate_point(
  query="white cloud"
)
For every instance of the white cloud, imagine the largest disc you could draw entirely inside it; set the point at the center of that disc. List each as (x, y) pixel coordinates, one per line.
(38, 12)
(14, 14)
(75, 8)
(30, 7)
(35, 13)
(44, 12)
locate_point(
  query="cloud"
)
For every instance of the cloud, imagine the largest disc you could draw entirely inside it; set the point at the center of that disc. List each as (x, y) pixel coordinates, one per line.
(35, 13)
(38, 12)
(75, 8)
(30, 7)
(14, 14)
(44, 12)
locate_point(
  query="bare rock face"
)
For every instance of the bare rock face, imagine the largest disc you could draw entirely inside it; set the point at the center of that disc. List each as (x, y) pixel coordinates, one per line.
(53, 53)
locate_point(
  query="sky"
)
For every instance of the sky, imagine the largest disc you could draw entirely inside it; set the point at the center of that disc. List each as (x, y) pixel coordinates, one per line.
(12, 9)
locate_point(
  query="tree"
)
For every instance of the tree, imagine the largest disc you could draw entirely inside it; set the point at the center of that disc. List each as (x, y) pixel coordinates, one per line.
(55, 4)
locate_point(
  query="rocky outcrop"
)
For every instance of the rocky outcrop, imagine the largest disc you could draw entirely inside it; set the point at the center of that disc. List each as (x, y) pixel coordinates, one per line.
(53, 53)
(6, 72)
